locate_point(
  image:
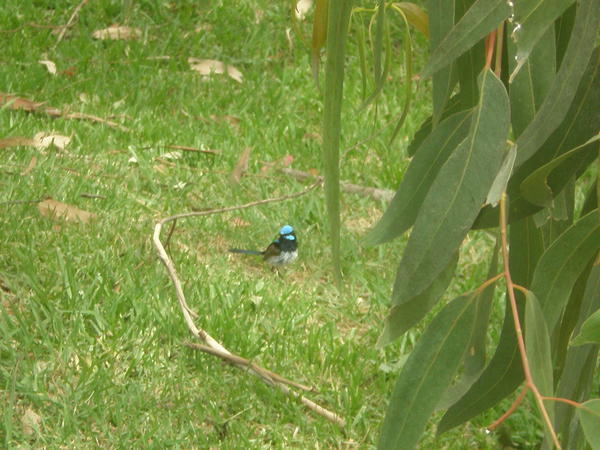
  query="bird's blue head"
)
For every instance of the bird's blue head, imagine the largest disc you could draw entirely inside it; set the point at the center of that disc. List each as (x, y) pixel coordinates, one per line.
(286, 229)
(287, 232)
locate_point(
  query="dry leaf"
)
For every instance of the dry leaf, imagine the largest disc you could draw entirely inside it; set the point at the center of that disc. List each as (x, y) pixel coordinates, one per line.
(50, 66)
(116, 32)
(209, 66)
(241, 166)
(57, 210)
(238, 222)
(69, 71)
(30, 421)
(302, 7)
(44, 140)
(202, 27)
(286, 161)
(258, 16)
(161, 168)
(15, 141)
(14, 102)
(233, 121)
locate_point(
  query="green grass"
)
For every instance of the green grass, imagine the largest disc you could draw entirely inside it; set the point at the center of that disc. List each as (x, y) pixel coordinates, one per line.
(91, 333)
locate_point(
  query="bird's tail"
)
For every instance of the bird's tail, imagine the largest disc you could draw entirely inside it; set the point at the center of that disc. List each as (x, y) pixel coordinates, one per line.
(245, 252)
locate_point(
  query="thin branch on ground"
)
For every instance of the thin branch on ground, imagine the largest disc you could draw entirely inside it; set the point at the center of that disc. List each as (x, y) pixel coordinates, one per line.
(364, 191)
(239, 361)
(69, 22)
(211, 345)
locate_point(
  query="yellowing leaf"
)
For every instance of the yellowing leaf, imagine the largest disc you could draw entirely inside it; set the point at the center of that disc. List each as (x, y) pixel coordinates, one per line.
(210, 66)
(54, 209)
(415, 16)
(115, 32)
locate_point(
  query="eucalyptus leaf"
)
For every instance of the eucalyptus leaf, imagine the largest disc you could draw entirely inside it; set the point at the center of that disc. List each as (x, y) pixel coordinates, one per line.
(531, 20)
(481, 18)
(420, 175)
(337, 28)
(589, 415)
(590, 331)
(427, 373)
(555, 106)
(456, 195)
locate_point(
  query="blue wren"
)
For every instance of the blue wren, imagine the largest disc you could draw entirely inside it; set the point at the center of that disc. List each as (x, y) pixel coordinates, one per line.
(283, 250)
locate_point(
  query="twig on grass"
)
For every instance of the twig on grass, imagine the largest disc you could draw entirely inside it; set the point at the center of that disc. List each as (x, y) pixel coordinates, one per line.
(70, 22)
(185, 148)
(211, 345)
(364, 191)
(239, 361)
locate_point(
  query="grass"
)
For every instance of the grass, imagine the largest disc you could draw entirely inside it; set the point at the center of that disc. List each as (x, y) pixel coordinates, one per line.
(91, 335)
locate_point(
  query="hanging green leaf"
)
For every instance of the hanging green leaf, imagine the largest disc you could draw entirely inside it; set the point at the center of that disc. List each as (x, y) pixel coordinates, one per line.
(419, 177)
(530, 86)
(427, 373)
(483, 17)
(589, 415)
(441, 21)
(577, 377)
(456, 195)
(561, 264)
(453, 106)
(579, 125)
(590, 331)
(555, 106)
(406, 315)
(538, 349)
(535, 187)
(531, 20)
(501, 180)
(504, 372)
(319, 36)
(337, 28)
(475, 356)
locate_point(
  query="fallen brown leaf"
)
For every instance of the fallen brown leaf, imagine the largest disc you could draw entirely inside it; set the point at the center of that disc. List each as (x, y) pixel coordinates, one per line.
(30, 421)
(238, 222)
(14, 102)
(54, 209)
(115, 32)
(286, 161)
(18, 103)
(241, 166)
(208, 67)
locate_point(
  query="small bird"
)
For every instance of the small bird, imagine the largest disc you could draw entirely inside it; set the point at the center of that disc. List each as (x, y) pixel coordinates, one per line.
(283, 250)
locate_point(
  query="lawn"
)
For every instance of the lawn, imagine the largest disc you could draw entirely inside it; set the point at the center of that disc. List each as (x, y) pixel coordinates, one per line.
(91, 343)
